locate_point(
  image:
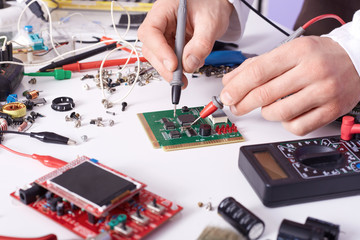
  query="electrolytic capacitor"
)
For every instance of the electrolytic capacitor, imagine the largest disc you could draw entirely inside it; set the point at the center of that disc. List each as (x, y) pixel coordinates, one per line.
(290, 230)
(241, 218)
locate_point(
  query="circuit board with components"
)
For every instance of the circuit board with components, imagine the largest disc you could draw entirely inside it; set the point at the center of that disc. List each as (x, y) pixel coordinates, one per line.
(75, 196)
(169, 133)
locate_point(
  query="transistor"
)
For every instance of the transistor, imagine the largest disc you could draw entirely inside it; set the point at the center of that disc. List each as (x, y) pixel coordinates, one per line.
(169, 125)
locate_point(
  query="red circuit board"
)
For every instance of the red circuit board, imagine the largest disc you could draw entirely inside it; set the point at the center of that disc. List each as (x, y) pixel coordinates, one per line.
(76, 219)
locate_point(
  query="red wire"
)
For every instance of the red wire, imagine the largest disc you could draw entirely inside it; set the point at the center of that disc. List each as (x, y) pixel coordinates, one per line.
(15, 152)
(321, 17)
(48, 161)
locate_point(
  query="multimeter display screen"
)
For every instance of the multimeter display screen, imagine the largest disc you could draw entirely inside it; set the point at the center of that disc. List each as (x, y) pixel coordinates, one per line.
(269, 164)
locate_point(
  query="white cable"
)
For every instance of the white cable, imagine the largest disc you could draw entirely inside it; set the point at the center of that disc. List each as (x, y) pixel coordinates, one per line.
(58, 57)
(113, 20)
(4, 44)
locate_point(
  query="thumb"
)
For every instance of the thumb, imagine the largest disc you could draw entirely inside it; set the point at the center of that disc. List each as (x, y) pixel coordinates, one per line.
(198, 48)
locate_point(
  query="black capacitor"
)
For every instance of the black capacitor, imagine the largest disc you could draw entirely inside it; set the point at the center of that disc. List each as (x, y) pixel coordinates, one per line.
(290, 230)
(49, 195)
(205, 130)
(241, 218)
(60, 209)
(74, 207)
(332, 231)
(53, 203)
(185, 109)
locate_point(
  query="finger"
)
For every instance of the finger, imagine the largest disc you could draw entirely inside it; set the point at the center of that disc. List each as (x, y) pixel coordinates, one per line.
(279, 87)
(291, 106)
(310, 121)
(256, 73)
(227, 77)
(165, 73)
(199, 47)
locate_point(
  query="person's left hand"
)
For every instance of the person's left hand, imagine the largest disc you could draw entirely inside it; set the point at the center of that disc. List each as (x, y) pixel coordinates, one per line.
(314, 74)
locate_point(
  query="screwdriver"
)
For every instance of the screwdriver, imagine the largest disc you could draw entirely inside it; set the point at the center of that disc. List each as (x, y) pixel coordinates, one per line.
(214, 105)
(176, 82)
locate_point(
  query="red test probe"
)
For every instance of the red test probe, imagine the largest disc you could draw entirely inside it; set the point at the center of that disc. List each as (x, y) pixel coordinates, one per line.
(210, 108)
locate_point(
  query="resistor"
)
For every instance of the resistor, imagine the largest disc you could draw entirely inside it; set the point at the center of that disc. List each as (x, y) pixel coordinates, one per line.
(23, 126)
(3, 124)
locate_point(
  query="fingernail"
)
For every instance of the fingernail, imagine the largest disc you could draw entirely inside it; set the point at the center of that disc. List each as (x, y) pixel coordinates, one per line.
(233, 110)
(226, 98)
(167, 65)
(192, 62)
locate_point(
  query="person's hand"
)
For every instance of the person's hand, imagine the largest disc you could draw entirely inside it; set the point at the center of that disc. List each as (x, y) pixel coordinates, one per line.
(314, 74)
(207, 20)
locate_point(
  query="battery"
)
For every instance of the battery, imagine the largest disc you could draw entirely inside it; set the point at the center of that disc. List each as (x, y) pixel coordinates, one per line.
(241, 218)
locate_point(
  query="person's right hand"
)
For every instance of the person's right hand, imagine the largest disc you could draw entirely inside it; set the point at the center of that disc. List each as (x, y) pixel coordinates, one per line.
(207, 20)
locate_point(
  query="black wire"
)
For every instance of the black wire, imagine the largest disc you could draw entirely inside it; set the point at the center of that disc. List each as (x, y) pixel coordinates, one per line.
(15, 132)
(265, 18)
(57, 6)
(260, 5)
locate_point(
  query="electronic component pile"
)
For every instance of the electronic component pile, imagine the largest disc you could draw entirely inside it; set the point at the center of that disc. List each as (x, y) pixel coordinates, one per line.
(177, 133)
(92, 200)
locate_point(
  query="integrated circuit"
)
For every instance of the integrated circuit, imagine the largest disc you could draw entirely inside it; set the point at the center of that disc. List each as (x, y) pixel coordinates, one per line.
(203, 133)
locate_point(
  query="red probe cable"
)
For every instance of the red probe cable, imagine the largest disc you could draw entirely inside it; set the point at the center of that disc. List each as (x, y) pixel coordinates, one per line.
(47, 237)
(321, 17)
(96, 64)
(45, 160)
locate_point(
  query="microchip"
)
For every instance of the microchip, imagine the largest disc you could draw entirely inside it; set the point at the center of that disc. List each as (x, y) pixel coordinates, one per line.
(175, 134)
(169, 125)
(219, 116)
(94, 183)
(186, 119)
(190, 132)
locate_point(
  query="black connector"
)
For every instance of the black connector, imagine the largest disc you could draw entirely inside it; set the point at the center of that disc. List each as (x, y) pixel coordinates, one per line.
(36, 10)
(50, 137)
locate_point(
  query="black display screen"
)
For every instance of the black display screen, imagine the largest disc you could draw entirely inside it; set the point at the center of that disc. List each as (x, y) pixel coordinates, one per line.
(270, 165)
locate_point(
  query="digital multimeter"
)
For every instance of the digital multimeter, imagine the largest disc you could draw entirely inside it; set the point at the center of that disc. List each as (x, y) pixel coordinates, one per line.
(286, 173)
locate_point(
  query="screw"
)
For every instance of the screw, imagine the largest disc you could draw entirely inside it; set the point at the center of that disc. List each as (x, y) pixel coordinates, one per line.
(78, 123)
(32, 81)
(86, 87)
(208, 206)
(112, 113)
(111, 123)
(75, 116)
(84, 138)
(124, 104)
(68, 119)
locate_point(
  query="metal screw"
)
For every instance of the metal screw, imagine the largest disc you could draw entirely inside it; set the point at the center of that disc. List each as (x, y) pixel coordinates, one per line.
(32, 81)
(208, 206)
(111, 123)
(68, 119)
(75, 116)
(200, 204)
(124, 104)
(78, 123)
(112, 113)
(86, 87)
(84, 138)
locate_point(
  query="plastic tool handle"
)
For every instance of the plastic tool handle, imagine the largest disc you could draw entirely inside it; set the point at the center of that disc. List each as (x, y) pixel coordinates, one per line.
(176, 82)
(96, 64)
(348, 128)
(211, 107)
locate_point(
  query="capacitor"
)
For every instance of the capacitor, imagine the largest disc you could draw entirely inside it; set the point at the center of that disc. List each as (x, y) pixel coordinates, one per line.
(3, 124)
(60, 209)
(205, 130)
(241, 218)
(290, 230)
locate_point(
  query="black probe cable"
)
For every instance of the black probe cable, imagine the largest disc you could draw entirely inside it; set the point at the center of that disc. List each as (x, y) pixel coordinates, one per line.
(48, 137)
(265, 18)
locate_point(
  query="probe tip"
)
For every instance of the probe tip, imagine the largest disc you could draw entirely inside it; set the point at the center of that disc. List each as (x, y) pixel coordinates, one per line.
(71, 142)
(174, 110)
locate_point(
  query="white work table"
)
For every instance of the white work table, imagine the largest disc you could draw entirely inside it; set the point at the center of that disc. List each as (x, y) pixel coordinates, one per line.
(186, 177)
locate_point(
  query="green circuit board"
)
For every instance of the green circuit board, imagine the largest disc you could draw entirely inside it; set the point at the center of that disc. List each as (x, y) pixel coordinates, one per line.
(175, 133)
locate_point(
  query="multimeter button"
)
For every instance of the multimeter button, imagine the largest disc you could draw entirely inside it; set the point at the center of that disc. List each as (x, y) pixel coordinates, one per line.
(318, 156)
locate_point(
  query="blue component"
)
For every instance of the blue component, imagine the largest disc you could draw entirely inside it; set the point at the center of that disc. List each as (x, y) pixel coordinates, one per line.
(226, 58)
(94, 160)
(38, 42)
(357, 165)
(12, 98)
(28, 28)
